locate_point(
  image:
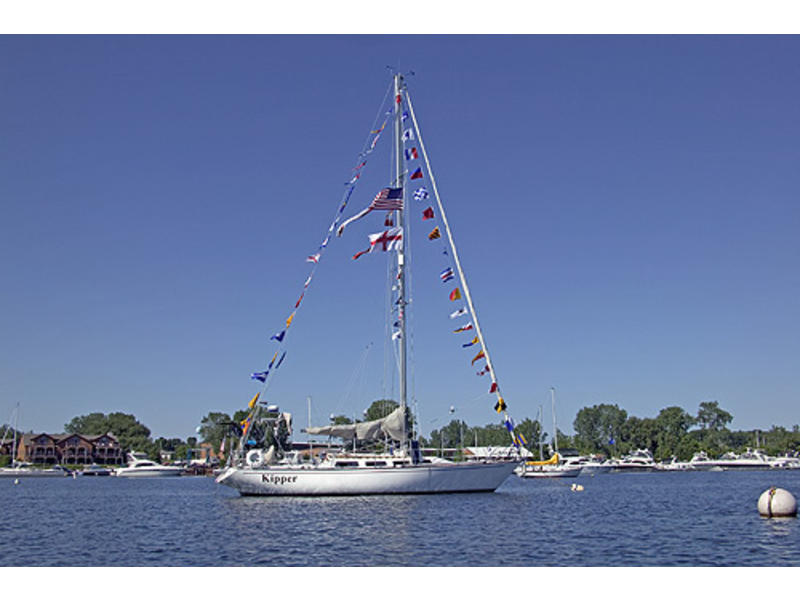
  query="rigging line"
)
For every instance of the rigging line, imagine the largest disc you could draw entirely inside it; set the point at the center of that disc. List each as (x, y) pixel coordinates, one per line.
(353, 380)
(337, 216)
(448, 230)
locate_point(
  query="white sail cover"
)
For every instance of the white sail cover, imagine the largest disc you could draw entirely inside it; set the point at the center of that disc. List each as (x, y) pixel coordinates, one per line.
(391, 425)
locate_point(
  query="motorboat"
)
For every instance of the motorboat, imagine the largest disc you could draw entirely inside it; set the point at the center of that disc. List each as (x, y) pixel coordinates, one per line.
(640, 460)
(701, 462)
(590, 465)
(675, 465)
(28, 470)
(96, 471)
(748, 460)
(785, 462)
(143, 467)
(547, 471)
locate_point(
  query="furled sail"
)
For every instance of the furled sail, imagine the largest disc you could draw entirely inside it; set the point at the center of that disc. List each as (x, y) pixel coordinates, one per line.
(390, 425)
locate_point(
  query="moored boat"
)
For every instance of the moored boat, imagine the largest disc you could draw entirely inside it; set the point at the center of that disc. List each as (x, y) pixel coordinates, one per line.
(640, 460)
(95, 471)
(29, 470)
(261, 467)
(143, 467)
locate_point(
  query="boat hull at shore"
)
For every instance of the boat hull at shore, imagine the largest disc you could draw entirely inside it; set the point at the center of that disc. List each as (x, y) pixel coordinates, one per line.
(26, 472)
(549, 471)
(357, 481)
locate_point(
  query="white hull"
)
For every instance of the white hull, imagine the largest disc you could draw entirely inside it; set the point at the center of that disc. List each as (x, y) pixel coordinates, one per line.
(545, 472)
(166, 472)
(9, 472)
(356, 481)
(595, 469)
(623, 468)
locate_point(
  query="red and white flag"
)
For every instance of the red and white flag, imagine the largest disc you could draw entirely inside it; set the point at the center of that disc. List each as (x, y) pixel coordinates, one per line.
(385, 240)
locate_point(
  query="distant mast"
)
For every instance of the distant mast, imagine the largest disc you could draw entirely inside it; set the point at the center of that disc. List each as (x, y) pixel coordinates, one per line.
(401, 266)
(555, 429)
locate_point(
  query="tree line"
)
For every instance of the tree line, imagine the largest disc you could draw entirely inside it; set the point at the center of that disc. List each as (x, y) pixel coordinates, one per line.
(604, 429)
(608, 430)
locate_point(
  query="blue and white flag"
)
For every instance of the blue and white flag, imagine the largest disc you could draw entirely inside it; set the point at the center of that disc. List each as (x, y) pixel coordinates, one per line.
(262, 376)
(408, 134)
(405, 115)
(447, 275)
(420, 194)
(279, 336)
(281, 359)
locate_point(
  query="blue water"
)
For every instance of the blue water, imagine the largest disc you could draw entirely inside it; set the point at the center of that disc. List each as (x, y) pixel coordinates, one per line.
(635, 519)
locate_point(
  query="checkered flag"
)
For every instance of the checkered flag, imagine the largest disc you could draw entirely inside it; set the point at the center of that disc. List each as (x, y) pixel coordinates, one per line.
(420, 194)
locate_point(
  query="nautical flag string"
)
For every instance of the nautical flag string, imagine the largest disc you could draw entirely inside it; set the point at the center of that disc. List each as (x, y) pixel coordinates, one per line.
(446, 275)
(455, 295)
(411, 154)
(459, 313)
(434, 234)
(466, 327)
(427, 214)
(417, 174)
(369, 145)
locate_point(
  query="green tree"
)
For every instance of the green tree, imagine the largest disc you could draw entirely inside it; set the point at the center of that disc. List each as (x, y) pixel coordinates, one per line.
(595, 427)
(215, 427)
(379, 409)
(130, 433)
(341, 420)
(711, 417)
(638, 433)
(672, 425)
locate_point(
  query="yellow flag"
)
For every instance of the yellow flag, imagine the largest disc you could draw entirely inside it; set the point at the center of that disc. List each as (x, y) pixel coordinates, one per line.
(289, 320)
(253, 401)
(478, 356)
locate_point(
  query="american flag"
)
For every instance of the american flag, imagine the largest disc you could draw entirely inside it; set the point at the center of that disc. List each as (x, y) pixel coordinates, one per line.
(388, 199)
(420, 194)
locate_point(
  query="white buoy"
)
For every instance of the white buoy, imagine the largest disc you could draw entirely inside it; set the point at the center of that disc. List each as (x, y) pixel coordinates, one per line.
(16, 482)
(777, 502)
(577, 487)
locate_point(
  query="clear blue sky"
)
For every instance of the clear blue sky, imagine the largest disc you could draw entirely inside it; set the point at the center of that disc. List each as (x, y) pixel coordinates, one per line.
(626, 209)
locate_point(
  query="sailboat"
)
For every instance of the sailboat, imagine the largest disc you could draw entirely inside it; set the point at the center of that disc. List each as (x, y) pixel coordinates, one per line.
(552, 467)
(400, 468)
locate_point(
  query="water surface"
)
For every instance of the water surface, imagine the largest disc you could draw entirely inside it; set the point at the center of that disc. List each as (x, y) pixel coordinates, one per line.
(633, 519)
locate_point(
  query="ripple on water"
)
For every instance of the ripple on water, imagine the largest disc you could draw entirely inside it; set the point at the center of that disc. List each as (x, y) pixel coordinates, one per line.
(654, 519)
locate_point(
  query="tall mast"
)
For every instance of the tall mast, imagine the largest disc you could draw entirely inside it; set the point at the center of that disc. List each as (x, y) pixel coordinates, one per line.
(541, 440)
(401, 266)
(555, 429)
